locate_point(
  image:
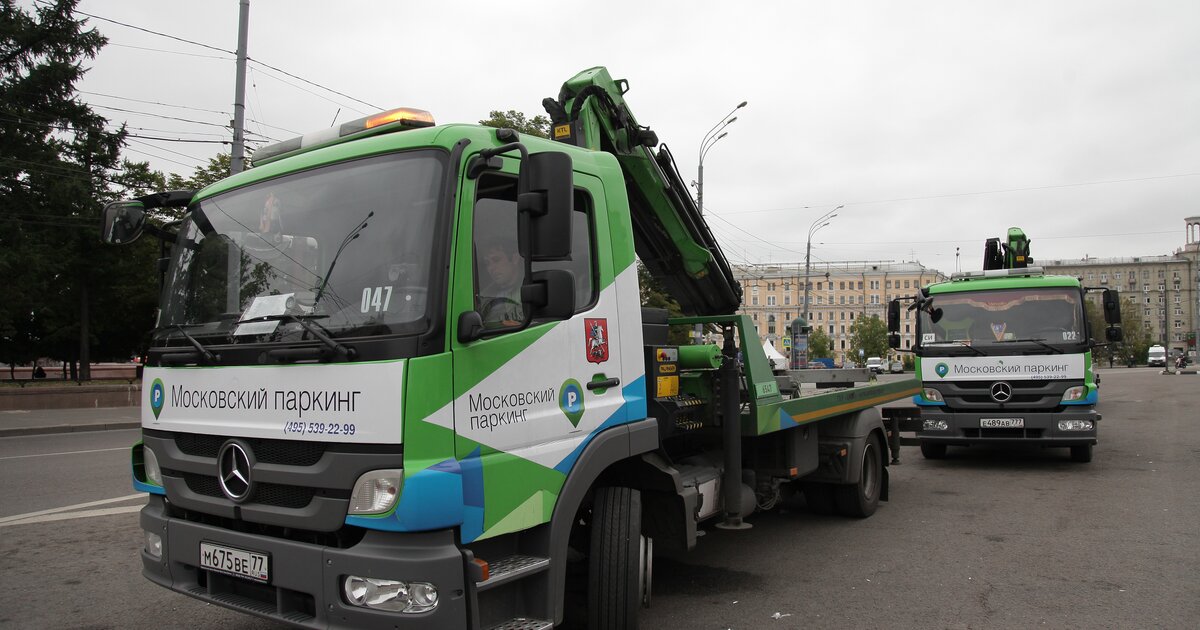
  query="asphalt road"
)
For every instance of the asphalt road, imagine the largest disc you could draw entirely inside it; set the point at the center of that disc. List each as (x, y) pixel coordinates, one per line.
(984, 539)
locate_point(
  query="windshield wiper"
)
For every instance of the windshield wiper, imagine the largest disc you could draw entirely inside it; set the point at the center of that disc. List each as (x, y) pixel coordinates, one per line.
(340, 350)
(957, 342)
(1040, 342)
(208, 355)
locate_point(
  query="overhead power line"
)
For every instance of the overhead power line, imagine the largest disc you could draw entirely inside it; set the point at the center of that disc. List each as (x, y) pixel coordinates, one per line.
(146, 30)
(137, 100)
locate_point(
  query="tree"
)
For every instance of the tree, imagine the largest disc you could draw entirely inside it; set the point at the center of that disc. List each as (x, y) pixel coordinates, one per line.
(819, 344)
(1136, 343)
(56, 158)
(868, 334)
(216, 170)
(655, 296)
(512, 119)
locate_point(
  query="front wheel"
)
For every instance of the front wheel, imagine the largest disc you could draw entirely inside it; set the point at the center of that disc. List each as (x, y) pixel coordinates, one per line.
(617, 579)
(859, 500)
(1081, 454)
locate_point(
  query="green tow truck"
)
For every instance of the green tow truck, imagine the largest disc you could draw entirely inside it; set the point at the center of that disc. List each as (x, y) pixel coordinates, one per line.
(1004, 356)
(401, 378)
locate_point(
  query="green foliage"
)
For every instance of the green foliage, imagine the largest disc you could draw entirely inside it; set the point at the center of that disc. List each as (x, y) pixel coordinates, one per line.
(57, 162)
(655, 296)
(1136, 345)
(868, 334)
(512, 119)
(216, 170)
(819, 344)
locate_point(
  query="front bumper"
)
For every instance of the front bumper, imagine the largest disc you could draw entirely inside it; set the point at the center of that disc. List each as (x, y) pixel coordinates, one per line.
(1040, 428)
(305, 589)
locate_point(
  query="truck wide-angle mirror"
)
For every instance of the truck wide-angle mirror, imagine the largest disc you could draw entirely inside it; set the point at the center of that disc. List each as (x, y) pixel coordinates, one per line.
(893, 317)
(122, 222)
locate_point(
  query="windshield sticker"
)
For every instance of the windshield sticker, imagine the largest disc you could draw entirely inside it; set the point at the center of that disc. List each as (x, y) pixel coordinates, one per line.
(264, 306)
(928, 337)
(1070, 335)
(998, 330)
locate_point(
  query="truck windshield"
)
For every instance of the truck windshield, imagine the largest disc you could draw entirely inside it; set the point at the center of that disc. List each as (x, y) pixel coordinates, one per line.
(347, 248)
(993, 321)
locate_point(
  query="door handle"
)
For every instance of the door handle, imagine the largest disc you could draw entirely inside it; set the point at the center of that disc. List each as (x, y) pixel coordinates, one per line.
(604, 384)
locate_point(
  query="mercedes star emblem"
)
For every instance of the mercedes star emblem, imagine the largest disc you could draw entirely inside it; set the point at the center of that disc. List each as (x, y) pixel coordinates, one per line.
(1001, 392)
(233, 471)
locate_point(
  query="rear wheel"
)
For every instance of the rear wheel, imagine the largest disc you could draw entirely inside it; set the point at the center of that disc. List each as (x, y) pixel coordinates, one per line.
(1081, 454)
(860, 500)
(617, 574)
(933, 451)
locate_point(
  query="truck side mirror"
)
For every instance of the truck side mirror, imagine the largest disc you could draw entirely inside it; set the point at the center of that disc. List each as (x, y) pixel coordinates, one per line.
(1112, 306)
(546, 195)
(122, 222)
(894, 341)
(893, 317)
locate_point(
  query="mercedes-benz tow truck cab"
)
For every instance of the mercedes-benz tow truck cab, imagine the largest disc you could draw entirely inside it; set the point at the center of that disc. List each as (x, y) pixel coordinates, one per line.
(1004, 357)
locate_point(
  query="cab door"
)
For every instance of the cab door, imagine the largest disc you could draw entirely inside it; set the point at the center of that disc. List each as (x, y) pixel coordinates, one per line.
(526, 393)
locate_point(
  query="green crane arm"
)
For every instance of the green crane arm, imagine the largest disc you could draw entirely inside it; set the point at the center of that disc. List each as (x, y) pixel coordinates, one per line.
(670, 236)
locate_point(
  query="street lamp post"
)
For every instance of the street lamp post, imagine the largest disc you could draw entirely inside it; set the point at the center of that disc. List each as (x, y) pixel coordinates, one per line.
(812, 229)
(706, 143)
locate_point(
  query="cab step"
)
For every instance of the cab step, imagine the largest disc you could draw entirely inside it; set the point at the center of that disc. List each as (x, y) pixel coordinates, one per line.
(524, 623)
(512, 568)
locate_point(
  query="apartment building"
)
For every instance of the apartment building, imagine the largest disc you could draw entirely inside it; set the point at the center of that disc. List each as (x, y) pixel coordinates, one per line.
(1166, 288)
(838, 294)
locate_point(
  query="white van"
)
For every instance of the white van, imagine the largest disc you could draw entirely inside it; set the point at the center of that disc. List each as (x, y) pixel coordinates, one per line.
(1157, 357)
(875, 364)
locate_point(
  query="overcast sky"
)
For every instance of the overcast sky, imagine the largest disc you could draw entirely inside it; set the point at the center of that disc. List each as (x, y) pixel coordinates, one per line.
(936, 124)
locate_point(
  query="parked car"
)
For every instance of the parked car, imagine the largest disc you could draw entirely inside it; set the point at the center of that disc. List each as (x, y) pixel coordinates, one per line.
(875, 364)
(897, 367)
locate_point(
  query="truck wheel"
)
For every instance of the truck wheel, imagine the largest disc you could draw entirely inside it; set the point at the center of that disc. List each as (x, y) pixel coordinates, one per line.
(615, 573)
(1081, 454)
(933, 451)
(819, 497)
(859, 500)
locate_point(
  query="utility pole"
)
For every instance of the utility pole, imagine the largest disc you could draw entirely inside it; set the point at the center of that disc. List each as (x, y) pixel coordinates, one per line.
(237, 156)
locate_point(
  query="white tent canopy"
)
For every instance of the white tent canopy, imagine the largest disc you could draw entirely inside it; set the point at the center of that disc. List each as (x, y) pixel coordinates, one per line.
(778, 361)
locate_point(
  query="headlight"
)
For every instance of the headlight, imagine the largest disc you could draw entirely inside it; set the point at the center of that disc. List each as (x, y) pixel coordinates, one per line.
(150, 462)
(1075, 425)
(391, 595)
(935, 425)
(1074, 393)
(375, 492)
(932, 395)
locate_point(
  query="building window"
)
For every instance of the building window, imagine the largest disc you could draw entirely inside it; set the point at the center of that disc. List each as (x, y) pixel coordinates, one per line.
(906, 283)
(770, 300)
(754, 290)
(831, 329)
(1145, 274)
(754, 299)
(770, 324)
(1117, 275)
(842, 299)
(1178, 324)
(770, 286)
(787, 299)
(874, 299)
(907, 328)
(1145, 288)
(819, 286)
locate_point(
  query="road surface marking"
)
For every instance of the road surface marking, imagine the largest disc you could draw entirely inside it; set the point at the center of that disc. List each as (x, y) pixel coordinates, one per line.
(67, 508)
(46, 518)
(98, 450)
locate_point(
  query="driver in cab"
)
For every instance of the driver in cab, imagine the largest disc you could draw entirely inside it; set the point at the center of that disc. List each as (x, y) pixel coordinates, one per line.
(499, 296)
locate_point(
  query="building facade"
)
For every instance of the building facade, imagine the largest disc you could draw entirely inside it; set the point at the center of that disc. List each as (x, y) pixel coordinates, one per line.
(838, 294)
(1166, 288)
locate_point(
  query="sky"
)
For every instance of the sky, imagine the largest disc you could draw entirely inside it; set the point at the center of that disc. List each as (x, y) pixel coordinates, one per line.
(934, 124)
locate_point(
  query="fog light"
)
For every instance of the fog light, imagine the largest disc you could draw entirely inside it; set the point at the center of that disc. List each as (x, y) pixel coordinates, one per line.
(1075, 425)
(1074, 393)
(375, 492)
(154, 545)
(153, 472)
(932, 395)
(390, 595)
(935, 425)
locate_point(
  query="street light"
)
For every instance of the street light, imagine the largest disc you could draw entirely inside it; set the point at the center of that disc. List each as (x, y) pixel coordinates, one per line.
(707, 143)
(812, 229)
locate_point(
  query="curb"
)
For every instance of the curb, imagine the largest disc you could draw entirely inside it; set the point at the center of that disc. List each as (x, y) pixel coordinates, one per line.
(68, 428)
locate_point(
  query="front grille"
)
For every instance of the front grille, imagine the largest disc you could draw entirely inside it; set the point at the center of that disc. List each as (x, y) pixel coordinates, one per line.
(1027, 396)
(264, 493)
(290, 452)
